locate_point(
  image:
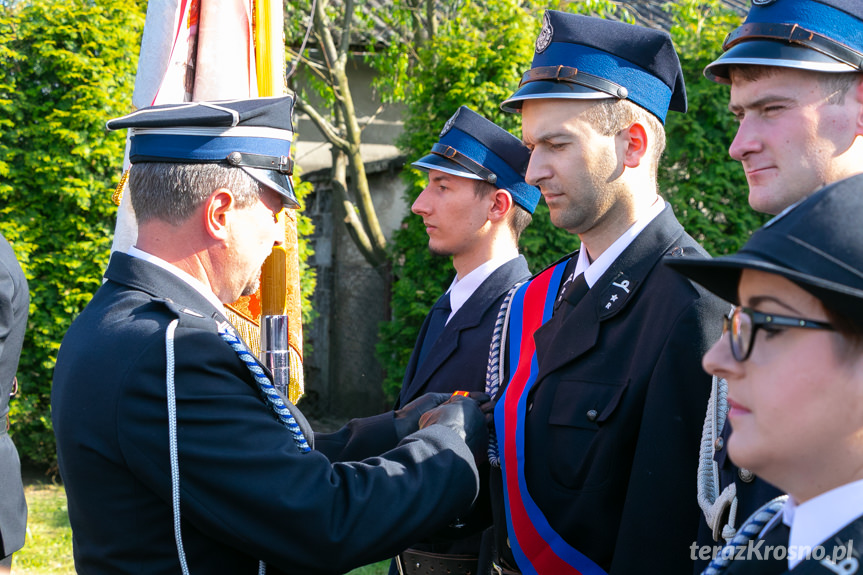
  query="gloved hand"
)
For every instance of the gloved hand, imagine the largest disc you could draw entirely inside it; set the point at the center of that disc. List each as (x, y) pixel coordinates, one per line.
(462, 415)
(408, 417)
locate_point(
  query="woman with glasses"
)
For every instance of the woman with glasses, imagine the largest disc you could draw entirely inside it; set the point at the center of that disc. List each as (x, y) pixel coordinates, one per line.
(792, 354)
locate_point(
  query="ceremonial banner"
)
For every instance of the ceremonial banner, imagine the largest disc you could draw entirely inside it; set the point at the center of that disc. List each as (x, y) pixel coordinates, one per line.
(217, 50)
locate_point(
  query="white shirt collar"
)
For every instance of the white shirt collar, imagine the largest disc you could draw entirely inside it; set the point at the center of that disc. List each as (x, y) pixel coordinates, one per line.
(461, 289)
(194, 282)
(593, 271)
(814, 521)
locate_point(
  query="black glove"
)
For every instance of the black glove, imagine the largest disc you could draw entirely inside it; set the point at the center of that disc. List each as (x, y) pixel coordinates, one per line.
(408, 417)
(462, 415)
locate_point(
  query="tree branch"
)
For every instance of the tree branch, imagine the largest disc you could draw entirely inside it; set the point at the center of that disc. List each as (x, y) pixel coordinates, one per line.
(327, 129)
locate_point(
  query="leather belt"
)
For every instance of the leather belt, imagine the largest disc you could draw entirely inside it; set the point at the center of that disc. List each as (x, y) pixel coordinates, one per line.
(414, 562)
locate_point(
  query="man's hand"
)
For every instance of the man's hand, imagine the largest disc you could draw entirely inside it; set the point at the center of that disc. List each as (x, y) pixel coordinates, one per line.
(462, 415)
(408, 417)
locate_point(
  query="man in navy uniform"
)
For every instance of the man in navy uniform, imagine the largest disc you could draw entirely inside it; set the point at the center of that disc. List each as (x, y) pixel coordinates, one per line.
(475, 206)
(601, 409)
(795, 68)
(14, 306)
(176, 451)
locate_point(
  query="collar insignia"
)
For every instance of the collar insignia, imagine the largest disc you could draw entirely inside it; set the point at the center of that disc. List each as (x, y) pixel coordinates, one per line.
(615, 295)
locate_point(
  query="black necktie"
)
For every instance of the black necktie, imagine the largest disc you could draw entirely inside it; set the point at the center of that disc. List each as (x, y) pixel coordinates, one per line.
(750, 564)
(437, 321)
(576, 290)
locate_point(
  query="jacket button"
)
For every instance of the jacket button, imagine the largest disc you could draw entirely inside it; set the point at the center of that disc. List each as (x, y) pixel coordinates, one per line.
(591, 415)
(718, 444)
(745, 475)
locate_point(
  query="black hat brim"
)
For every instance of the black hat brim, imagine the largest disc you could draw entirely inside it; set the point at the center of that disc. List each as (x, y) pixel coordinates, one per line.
(722, 277)
(543, 89)
(278, 182)
(772, 53)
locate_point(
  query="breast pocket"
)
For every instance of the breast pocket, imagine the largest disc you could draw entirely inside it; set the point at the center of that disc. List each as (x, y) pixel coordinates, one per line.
(581, 450)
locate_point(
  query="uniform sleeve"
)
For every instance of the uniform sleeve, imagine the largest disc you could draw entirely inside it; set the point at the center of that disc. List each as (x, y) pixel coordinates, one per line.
(244, 483)
(665, 465)
(359, 438)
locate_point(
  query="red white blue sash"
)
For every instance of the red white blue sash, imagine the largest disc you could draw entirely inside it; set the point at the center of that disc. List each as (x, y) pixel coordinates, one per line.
(537, 548)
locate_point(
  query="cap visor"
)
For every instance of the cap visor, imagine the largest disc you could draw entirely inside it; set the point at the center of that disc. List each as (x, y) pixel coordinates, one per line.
(772, 53)
(722, 276)
(550, 90)
(435, 162)
(276, 181)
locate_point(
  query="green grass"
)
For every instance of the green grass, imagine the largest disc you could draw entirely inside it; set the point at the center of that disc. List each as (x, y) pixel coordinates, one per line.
(48, 550)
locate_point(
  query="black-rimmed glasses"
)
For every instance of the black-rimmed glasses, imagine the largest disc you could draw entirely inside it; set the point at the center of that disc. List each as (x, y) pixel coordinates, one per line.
(744, 322)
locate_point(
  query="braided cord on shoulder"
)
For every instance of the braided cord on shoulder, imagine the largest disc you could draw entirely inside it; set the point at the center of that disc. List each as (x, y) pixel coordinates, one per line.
(496, 363)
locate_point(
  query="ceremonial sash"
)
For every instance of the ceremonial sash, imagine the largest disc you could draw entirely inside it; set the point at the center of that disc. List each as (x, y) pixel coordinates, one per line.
(537, 548)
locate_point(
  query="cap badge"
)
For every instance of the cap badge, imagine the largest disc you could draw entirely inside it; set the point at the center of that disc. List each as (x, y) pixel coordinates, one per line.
(543, 41)
(449, 124)
(763, 2)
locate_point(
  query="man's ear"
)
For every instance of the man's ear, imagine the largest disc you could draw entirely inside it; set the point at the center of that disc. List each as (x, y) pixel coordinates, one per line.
(501, 204)
(858, 95)
(217, 208)
(635, 142)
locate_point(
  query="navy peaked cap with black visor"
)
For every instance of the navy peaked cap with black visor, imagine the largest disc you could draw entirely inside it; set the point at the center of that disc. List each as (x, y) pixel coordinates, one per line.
(472, 147)
(816, 35)
(254, 135)
(582, 57)
(816, 243)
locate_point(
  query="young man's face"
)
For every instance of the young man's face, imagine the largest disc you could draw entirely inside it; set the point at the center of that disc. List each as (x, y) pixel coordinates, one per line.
(576, 168)
(454, 216)
(793, 136)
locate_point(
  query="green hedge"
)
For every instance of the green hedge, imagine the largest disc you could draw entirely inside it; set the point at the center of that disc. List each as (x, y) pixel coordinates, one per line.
(66, 66)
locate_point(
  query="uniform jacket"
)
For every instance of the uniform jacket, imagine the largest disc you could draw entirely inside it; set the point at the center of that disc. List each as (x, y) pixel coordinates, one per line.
(614, 420)
(458, 359)
(14, 305)
(752, 493)
(832, 558)
(247, 493)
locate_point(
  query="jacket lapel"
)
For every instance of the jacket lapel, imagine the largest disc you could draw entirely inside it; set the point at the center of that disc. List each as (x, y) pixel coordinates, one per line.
(468, 316)
(574, 329)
